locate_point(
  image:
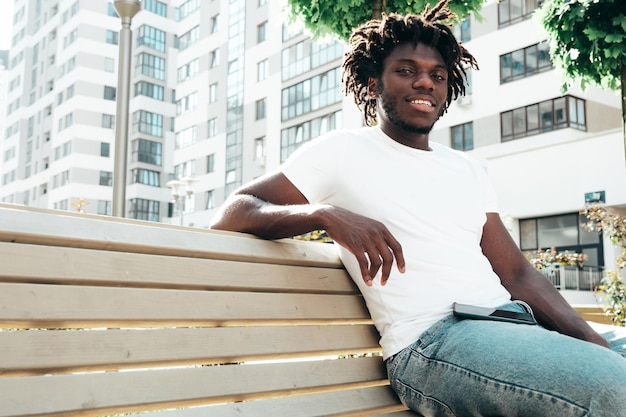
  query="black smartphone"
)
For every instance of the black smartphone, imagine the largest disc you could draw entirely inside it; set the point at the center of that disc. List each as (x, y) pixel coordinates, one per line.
(485, 313)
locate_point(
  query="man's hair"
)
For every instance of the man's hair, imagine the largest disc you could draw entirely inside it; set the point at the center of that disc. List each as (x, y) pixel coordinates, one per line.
(374, 41)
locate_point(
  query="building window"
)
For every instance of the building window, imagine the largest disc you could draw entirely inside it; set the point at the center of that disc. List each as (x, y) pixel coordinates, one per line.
(104, 207)
(106, 178)
(187, 8)
(147, 177)
(210, 200)
(185, 137)
(213, 93)
(294, 136)
(147, 151)
(214, 58)
(212, 128)
(562, 232)
(525, 62)
(462, 30)
(260, 109)
(215, 26)
(261, 32)
(108, 121)
(142, 209)
(109, 93)
(105, 149)
(231, 177)
(187, 103)
(186, 169)
(113, 37)
(262, 70)
(151, 37)
(513, 11)
(188, 70)
(259, 148)
(156, 7)
(543, 117)
(150, 65)
(146, 122)
(312, 94)
(147, 89)
(189, 38)
(463, 137)
(109, 64)
(210, 163)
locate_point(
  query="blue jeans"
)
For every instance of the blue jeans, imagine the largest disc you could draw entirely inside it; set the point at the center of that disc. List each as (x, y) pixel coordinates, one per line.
(467, 368)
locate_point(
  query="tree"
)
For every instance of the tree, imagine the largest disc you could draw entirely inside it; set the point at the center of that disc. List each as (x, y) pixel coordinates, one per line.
(340, 17)
(588, 42)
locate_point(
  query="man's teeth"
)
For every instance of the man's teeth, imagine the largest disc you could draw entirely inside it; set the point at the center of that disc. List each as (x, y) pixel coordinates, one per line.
(424, 102)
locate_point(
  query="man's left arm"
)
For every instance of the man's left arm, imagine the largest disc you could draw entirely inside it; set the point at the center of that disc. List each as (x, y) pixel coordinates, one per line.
(525, 283)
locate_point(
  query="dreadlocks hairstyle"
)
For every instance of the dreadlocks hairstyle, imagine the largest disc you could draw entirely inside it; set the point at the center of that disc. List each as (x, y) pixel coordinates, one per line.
(374, 41)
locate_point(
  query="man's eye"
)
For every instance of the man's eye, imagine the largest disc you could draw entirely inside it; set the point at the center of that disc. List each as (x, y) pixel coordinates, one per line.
(439, 77)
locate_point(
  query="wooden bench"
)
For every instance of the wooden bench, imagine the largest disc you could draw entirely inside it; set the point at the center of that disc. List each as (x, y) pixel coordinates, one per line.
(104, 316)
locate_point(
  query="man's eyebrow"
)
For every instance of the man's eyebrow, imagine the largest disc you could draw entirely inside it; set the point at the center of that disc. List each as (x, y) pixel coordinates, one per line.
(412, 61)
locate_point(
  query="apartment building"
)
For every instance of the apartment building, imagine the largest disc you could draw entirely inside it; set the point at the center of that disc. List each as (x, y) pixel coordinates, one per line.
(548, 151)
(224, 90)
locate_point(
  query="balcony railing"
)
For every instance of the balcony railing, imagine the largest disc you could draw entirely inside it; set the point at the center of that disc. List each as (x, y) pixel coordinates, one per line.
(570, 278)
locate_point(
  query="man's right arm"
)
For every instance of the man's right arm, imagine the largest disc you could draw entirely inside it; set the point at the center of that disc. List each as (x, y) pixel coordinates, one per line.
(272, 207)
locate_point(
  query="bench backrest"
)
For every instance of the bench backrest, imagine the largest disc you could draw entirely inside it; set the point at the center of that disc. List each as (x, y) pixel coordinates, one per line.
(102, 316)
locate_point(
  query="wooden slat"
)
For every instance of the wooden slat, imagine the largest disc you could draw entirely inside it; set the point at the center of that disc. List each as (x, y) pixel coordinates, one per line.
(118, 392)
(349, 403)
(100, 267)
(41, 305)
(49, 351)
(56, 228)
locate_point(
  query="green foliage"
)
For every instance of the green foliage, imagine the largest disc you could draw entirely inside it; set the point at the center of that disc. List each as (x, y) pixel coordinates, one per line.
(340, 17)
(587, 39)
(613, 290)
(315, 236)
(614, 293)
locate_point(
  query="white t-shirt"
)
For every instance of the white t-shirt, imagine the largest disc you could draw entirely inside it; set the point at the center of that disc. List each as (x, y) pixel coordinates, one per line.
(433, 202)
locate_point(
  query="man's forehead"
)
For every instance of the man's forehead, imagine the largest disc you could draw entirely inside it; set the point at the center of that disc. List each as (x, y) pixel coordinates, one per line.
(408, 51)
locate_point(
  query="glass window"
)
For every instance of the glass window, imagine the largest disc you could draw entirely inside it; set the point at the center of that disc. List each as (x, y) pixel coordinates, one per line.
(525, 62)
(106, 178)
(156, 7)
(151, 37)
(557, 231)
(147, 89)
(143, 209)
(109, 93)
(546, 116)
(261, 32)
(462, 137)
(150, 65)
(147, 122)
(147, 151)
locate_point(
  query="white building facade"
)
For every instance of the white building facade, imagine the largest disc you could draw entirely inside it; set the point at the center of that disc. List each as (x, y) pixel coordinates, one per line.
(223, 91)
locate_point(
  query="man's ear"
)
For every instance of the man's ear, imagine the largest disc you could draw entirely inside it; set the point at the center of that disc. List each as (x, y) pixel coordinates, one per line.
(372, 87)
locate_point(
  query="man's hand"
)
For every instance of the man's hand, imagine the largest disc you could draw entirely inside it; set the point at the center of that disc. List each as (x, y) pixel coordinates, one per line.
(368, 240)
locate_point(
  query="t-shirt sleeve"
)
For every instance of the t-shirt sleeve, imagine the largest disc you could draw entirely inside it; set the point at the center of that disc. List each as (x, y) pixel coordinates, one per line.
(490, 197)
(314, 167)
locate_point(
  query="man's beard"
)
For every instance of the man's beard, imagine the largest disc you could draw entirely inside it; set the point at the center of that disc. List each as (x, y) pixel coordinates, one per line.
(391, 111)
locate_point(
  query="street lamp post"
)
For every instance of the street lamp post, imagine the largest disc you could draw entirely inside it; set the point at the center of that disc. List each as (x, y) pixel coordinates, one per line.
(126, 9)
(181, 190)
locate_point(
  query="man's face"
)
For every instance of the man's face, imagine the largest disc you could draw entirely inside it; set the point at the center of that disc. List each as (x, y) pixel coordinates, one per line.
(412, 89)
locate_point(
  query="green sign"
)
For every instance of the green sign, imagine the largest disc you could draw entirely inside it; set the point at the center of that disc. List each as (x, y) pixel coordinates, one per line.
(595, 197)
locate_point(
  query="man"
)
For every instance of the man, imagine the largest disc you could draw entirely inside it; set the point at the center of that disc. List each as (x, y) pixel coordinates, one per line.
(386, 195)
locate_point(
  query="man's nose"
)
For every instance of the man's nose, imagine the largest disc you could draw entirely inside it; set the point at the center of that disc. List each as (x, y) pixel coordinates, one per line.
(423, 80)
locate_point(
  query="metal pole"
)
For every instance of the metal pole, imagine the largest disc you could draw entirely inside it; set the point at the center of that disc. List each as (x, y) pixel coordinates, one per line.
(126, 9)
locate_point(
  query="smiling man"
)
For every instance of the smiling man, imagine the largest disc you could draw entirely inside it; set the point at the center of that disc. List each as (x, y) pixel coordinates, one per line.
(417, 227)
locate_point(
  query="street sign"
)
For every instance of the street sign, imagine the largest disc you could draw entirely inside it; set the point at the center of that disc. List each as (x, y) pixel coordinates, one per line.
(595, 197)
